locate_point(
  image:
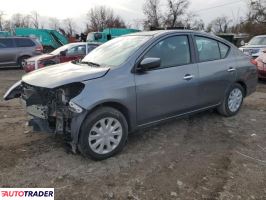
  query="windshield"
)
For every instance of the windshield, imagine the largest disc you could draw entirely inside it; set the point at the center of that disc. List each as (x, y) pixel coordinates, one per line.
(258, 41)
(62, 48)
(116, 51)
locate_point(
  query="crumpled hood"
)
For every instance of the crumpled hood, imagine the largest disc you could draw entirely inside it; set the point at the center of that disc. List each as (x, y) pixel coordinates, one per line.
(62, 74)
(41, 57)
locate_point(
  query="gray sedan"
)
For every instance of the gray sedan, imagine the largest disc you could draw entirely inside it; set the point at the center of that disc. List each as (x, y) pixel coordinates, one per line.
(132, 82)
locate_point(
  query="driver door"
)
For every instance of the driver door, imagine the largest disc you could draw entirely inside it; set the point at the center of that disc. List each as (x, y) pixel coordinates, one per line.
(171, 89)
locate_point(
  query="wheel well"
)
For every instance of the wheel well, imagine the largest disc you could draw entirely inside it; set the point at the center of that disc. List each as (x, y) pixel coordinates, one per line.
(244, 86)
(119, 107)
(28, 56)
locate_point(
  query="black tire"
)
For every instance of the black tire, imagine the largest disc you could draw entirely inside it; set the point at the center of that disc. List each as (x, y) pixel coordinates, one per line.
(224, 109)
(21, 61)
(90, 121)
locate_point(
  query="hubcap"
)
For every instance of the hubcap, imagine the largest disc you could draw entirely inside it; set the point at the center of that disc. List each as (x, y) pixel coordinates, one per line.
(23, 63)
(105, 135)
(235, 99)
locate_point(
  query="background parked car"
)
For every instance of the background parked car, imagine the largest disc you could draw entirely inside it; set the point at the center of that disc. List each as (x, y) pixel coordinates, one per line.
(69, 52)
(261, 65)
(15, 50)
(255, 46)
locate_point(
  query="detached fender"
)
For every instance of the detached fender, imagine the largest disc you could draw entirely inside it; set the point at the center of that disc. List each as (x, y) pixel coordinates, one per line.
(14, 91)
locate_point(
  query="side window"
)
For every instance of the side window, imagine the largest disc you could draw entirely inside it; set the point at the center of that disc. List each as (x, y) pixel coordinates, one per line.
(77, 50)
(6, 43)
(208, 49)
(24, 42)
(173, 51)
(223, 49)
(91, 47)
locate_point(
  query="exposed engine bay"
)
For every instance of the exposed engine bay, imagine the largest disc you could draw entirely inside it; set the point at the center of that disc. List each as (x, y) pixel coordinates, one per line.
(51, 107)
(51, 110)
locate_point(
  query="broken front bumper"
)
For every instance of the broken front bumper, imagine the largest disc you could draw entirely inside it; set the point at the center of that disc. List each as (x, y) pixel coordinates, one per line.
(51, 110)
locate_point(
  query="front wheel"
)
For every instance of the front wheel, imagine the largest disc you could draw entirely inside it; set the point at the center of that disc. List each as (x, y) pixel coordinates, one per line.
(103, 133)
(233, 101)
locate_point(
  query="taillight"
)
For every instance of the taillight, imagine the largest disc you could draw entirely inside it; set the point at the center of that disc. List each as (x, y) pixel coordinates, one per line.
(254, 62)
(39, 48)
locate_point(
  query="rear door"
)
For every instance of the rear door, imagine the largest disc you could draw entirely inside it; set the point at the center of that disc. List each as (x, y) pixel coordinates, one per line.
(25, 47)
(171, 89)
(7, 51)
(217, 67)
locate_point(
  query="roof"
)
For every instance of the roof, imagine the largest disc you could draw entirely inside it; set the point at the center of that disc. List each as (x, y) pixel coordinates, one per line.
(260, 36)
(81, 43)
(163, 32)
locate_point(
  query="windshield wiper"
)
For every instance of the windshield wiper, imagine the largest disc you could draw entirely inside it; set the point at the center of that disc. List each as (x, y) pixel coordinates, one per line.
(91, 64)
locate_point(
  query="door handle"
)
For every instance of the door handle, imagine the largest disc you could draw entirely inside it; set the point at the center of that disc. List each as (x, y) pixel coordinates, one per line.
(188, 77)
(231, 69)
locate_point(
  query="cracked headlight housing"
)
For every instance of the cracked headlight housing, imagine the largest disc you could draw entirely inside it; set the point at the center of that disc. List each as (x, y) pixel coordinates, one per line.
(67, 92)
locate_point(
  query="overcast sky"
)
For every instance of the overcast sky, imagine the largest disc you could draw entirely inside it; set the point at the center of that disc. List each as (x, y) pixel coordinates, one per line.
(129, 10)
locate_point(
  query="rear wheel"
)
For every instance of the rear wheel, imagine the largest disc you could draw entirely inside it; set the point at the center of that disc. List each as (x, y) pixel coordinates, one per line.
(232, 101)
(22, 61)
(103, 133)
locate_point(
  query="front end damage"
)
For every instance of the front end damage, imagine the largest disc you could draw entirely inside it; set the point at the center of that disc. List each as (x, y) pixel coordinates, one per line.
(51, 110)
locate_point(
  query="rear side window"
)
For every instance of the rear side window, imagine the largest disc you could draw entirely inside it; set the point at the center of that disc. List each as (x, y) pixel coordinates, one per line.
(24, 42)
(6, 43)
(172, 51)
(208, 49)
(77, 50)
(91, 47)
(223, 49)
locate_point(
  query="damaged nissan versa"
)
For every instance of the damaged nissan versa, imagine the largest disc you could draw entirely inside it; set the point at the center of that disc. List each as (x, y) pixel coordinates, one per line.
(132, 82)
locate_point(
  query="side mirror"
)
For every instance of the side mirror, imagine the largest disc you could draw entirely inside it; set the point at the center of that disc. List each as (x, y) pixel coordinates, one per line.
(62, 53)
(149, 63)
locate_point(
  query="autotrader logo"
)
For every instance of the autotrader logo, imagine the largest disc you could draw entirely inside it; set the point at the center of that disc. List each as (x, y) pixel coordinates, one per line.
(26, 193)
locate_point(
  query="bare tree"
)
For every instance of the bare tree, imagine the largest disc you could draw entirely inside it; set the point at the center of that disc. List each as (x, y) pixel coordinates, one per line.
(19, 20)
(7, 26)
(198, 24)
(257, 11)
(152, 12)
(102, 17)
(176, 9)
(2, 21)
(220, 25)
(54, 23)
(69, 26)
(35, 18)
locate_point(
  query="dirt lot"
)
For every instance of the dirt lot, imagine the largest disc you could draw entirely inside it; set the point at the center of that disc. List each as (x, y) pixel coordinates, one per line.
(204, 156)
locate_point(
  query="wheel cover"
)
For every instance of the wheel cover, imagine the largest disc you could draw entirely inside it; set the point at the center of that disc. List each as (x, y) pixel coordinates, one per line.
(235, 99)
(105, 135)
(23, 63)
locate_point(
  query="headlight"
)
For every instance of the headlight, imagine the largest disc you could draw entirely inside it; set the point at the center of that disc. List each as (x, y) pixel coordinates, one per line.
(74, 107)
(67, 92)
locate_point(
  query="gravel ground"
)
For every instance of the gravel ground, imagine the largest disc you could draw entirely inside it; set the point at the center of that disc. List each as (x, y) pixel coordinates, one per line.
(204, 156)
